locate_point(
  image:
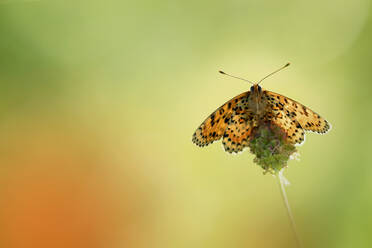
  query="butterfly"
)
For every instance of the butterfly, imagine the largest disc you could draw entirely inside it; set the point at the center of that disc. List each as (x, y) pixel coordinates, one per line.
(236, 120)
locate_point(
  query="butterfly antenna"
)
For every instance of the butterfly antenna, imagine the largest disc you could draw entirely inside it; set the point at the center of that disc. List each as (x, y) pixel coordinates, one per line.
(286, 65)
(224, 73)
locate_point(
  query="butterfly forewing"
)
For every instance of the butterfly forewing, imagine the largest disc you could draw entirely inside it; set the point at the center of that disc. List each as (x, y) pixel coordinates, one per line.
(213, 128)
(299, 115)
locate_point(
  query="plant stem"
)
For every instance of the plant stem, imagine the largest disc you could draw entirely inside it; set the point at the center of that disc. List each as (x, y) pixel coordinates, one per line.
(280, 180)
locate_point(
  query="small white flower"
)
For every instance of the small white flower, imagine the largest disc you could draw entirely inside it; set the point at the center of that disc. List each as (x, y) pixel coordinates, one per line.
(295, 156)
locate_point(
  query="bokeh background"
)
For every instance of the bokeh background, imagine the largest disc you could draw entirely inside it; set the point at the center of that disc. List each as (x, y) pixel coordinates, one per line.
(99, 100)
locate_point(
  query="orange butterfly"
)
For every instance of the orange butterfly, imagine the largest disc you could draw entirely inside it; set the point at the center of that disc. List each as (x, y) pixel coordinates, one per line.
(236, 119)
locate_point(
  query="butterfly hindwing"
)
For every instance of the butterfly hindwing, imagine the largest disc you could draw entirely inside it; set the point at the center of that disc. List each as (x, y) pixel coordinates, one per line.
(213, 128)
(237, 133)
(295, 134)
(306, 118)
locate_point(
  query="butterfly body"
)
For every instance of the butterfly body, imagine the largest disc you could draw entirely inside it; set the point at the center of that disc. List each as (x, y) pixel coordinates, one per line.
(255, 100)
(236, 121)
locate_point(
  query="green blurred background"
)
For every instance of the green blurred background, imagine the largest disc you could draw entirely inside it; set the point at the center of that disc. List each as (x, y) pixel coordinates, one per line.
(99, 100)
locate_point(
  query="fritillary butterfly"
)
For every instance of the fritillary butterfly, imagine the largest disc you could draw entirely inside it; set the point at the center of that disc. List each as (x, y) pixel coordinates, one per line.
(235, 120)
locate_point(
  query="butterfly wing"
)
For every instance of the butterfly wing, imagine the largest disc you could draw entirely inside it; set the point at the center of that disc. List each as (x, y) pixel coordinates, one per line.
(295, 134)
(238, 132)
(214, 127)
(295, 117)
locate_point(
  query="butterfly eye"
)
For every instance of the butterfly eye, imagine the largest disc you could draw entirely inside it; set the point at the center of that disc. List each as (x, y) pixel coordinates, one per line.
(259, 88)
(252, 89)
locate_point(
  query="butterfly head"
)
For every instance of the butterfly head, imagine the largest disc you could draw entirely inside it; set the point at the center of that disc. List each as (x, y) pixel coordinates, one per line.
(256, 88)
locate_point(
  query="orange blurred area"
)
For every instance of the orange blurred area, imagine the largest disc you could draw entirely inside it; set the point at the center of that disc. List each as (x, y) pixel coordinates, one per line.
(58, 190)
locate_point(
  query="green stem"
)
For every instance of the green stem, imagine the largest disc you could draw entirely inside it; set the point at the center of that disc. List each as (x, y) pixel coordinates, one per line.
(280, 180)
